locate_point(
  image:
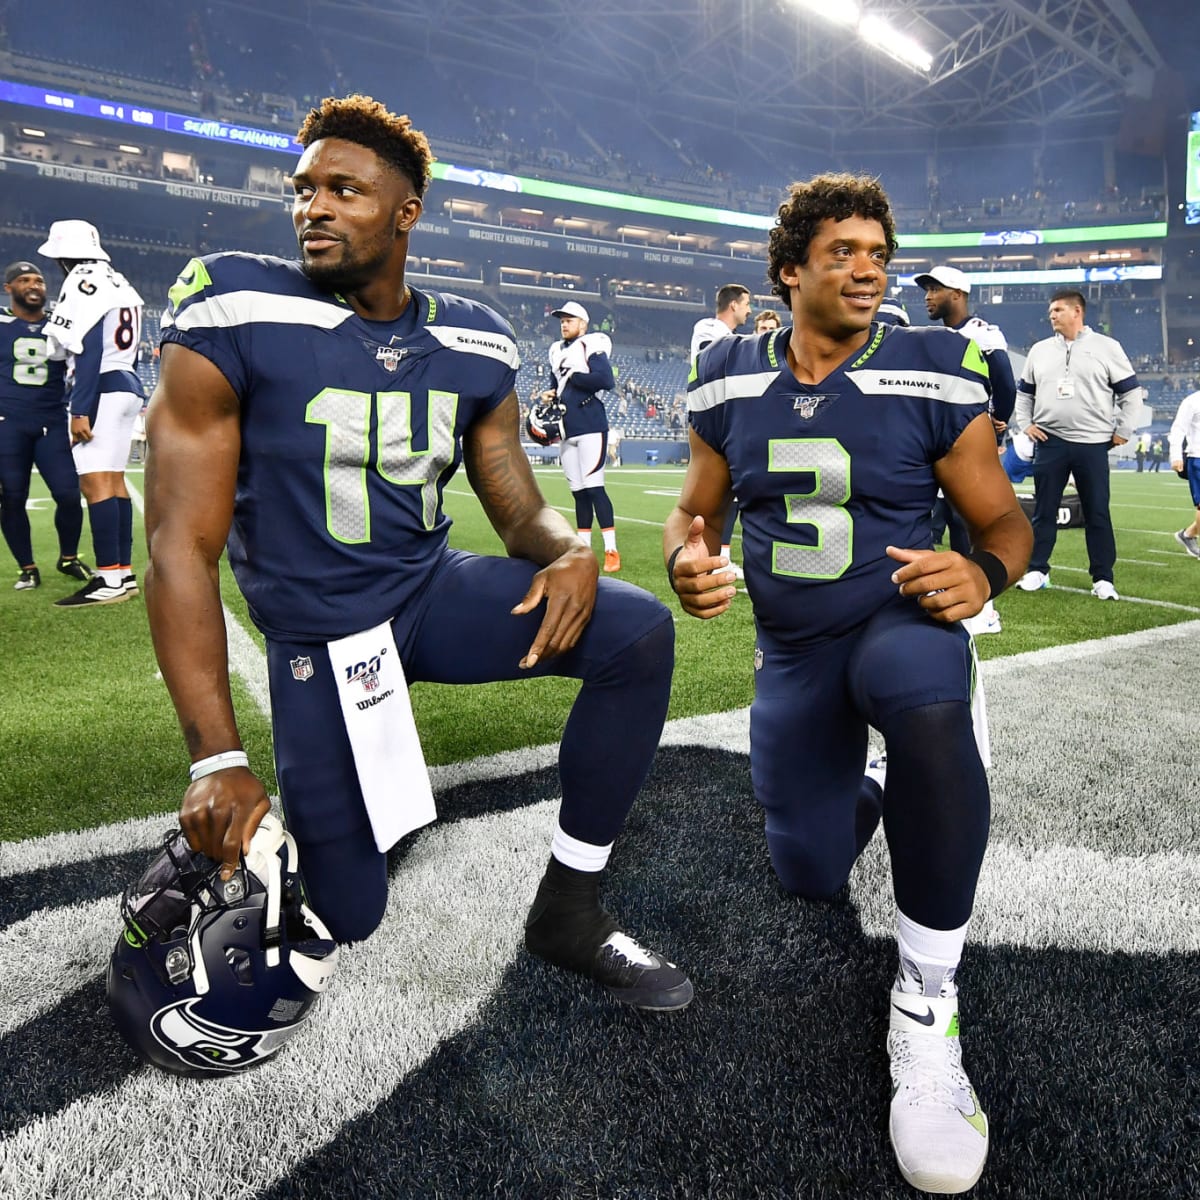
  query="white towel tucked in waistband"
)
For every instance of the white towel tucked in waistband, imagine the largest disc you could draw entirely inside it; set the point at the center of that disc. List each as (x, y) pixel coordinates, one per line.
(379, 721)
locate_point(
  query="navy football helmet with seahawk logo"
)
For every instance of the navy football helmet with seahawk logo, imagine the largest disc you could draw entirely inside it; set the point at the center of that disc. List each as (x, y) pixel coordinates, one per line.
(211, 975)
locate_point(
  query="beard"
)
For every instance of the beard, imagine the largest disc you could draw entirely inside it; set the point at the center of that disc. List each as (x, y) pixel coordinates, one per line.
(350, 271)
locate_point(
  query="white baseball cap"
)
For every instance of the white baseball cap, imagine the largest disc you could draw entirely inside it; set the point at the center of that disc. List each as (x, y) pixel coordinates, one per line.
(73, 240)
(572, 308)
(950, 277)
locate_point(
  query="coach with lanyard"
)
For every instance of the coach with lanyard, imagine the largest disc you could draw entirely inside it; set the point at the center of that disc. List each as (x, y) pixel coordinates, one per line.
(1078, 398)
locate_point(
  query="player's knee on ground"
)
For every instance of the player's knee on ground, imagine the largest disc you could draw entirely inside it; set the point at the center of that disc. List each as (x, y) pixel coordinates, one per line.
(806, 868)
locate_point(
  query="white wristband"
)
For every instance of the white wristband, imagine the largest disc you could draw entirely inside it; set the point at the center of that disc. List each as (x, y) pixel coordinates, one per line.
(218, 762)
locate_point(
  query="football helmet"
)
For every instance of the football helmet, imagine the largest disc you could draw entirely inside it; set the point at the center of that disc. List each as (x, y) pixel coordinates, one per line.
(545, 422)
(211, 975)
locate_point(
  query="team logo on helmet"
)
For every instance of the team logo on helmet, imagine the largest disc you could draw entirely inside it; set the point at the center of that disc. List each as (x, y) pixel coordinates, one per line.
(211, 1047)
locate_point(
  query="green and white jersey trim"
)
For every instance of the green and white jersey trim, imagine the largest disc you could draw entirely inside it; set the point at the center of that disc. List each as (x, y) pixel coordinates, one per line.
(477, 341)
(730, 387)
(231, 309)
(949, 389)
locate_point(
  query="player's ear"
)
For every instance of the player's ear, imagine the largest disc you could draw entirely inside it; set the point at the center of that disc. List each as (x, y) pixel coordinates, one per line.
(408, 214)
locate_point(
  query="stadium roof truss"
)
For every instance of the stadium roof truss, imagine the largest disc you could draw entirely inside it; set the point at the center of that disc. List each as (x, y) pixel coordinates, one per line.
(761, 67)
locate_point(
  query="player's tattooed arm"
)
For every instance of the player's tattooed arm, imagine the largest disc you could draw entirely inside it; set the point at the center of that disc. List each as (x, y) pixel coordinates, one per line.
(500, 475)
(194, 438)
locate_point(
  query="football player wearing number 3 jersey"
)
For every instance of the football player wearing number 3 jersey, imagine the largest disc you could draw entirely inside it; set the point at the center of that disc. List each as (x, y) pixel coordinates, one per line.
(835, 435)
(96, 326)
(310, 414)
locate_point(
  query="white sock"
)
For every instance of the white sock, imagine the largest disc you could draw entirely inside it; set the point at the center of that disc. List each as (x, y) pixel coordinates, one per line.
(727, 551)
(585, 536)
(583, 856)
(933, 954)
(113, 578)
(610, 538)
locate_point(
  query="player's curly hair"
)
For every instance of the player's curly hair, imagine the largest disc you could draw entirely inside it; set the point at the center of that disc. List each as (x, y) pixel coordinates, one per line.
(363, 120)
(836, 196)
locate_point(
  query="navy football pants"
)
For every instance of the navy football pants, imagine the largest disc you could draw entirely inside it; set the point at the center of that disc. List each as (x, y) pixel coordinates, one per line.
(24, 442)
(910, 677)
(463, 632)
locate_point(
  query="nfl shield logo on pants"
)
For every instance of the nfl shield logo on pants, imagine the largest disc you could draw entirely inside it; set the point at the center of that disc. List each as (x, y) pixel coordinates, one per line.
(302, 668)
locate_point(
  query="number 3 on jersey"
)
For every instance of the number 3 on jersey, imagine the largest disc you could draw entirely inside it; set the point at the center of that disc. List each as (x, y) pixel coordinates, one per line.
(823, 508)
(346, 416)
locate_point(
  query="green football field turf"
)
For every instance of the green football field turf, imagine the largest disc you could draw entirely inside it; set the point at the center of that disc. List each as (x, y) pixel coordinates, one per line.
(89, 736)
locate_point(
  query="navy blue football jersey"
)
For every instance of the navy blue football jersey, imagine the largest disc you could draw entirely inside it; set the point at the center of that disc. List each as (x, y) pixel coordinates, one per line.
(828, 475)
(350, 430)
(31, 384)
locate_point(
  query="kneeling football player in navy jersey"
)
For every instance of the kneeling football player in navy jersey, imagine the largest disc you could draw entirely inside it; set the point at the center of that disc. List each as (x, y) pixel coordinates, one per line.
(835, 434)
(309, 415)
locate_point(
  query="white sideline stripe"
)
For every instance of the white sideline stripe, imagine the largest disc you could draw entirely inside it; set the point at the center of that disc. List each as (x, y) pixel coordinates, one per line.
(435, 961)
(1127, 599)
(246, 660)
(1084, 571)
(1101, 899)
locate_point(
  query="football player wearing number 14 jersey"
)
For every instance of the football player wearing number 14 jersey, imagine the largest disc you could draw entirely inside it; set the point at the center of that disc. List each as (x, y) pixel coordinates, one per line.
(310, 415)
(835, 435)
(96, 326)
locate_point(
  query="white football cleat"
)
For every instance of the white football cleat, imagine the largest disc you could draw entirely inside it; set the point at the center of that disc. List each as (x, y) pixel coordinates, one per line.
(1102, 589)
(987, 620)
(939, 1132)
(1033, 581)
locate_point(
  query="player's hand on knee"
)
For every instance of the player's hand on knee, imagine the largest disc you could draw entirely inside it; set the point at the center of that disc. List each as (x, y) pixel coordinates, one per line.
(220, 813)
(946, 585)
(568, 586)
(699, 578)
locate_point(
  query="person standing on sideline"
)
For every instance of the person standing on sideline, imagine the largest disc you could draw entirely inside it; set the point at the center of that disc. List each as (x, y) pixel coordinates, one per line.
(33, 430)
(837, 434)
(1185, 429)
(96, 326)
(580, 363)
(1157, 453)
(733, 311)
(1141, 450)
(946, 291)
(1078, 398)
(765, 320)
(308, 416)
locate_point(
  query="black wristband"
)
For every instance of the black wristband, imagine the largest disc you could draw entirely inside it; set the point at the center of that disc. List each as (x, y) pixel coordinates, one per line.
(993, 568)
(671, 569)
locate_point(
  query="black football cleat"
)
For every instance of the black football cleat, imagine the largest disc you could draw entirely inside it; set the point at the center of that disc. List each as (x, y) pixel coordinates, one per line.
(638, 977)
(29, 579)
(94, 593)
(76, 568)
(130, 584)
(587, 941)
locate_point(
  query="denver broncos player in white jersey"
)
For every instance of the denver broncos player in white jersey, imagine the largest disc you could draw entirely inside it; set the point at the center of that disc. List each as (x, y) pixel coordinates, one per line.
(310, 415)
(581, 366)
(835, 435)
(96, 327)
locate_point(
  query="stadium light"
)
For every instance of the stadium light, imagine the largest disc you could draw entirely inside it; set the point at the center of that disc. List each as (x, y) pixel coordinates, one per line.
(894, 44)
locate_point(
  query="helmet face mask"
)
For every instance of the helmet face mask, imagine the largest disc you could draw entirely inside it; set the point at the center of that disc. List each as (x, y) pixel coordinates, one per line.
(215, 975)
